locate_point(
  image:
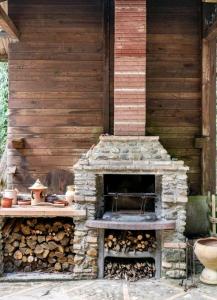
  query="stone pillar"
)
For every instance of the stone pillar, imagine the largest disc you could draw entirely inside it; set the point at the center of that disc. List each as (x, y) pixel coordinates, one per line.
(174, 199)
(130, 67)
(85, 248)
(85, 244)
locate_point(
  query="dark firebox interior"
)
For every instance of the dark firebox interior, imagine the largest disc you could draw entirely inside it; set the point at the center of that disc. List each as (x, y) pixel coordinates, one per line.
(129, 192)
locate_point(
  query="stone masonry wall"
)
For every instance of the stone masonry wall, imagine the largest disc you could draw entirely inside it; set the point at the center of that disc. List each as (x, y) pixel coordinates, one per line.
(86, 240)
(131, 155)
(174, 198)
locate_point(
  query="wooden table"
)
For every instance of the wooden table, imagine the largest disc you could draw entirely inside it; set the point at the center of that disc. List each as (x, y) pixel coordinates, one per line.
(39, 211)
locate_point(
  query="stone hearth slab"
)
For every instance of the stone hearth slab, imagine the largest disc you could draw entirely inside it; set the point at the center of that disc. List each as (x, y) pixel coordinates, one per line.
(157, 225)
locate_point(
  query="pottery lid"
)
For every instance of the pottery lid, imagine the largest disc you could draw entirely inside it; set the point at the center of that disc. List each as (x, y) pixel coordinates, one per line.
(38, 186)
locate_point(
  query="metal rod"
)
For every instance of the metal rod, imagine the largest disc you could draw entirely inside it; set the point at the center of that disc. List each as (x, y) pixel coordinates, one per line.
(144, 195)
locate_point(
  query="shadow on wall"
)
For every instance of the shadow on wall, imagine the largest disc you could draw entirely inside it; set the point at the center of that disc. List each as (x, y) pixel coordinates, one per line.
(57, 181)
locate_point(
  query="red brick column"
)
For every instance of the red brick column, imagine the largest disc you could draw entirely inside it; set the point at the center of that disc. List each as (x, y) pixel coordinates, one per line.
(130, 67)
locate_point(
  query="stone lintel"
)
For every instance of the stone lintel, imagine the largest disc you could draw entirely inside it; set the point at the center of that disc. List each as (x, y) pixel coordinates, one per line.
(156, 225)
(109, 166)
(125, 139)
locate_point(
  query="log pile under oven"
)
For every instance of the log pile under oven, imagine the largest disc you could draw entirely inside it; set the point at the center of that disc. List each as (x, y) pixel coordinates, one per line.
(130, 241)
(38, 244)
(126, 257)
(133, 271)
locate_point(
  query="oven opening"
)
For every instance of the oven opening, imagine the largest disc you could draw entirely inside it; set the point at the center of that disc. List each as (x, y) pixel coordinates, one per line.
(129, 184)
(129, 195)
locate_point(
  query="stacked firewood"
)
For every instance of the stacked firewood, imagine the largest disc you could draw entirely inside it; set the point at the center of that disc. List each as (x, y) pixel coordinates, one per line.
(130, 241)
(129, 271)
(38, 244)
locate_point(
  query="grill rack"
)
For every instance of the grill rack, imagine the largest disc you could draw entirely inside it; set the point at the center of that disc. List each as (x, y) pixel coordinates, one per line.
(144, 197)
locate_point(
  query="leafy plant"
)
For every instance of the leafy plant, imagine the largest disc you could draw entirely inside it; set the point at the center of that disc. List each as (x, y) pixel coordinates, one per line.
(3, 105)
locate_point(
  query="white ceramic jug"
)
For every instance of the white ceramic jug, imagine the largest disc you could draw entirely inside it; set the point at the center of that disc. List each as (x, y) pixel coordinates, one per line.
(69, 196)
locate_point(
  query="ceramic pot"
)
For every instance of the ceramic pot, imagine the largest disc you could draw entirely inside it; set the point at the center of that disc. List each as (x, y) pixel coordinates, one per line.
(206, 251)
(37, 192)
(6, 202)
(70, 192)
(11, 194)
(37, 196)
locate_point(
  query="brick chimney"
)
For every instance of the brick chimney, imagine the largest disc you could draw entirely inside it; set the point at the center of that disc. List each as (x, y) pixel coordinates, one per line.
(130, 67)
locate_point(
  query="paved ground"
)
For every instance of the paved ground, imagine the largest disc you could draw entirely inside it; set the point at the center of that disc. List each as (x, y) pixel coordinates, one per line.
(104, 290)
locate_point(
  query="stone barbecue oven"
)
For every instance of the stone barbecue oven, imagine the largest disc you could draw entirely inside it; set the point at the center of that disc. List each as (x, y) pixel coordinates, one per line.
(131, 155)
(129, 213)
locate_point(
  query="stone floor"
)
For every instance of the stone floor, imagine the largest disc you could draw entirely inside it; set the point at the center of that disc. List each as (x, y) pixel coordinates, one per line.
(104, 290)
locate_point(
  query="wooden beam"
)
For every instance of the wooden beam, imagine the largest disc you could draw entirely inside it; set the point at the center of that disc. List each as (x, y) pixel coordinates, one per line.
(7, 25)
(209, 116)
(209, 1)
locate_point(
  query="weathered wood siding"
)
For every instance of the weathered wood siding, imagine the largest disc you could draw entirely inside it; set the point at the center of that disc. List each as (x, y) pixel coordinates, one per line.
(174, 79)
(57, 88)
(56, 84)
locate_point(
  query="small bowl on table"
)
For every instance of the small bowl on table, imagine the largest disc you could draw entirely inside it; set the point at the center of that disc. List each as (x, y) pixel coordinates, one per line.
(24, 202)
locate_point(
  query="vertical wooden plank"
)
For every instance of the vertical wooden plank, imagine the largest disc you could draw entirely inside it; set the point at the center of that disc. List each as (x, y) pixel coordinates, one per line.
(213, 214)
(209, 116)
(205, 113)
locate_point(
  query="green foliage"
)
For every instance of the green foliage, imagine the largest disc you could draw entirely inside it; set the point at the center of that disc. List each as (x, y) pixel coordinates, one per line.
(3, 105)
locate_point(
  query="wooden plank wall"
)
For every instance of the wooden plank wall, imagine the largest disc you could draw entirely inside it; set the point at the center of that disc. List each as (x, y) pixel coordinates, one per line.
(174, 80)
(56, 84)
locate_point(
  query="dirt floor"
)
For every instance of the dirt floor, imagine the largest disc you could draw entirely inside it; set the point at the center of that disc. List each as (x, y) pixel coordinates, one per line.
(104, 290)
